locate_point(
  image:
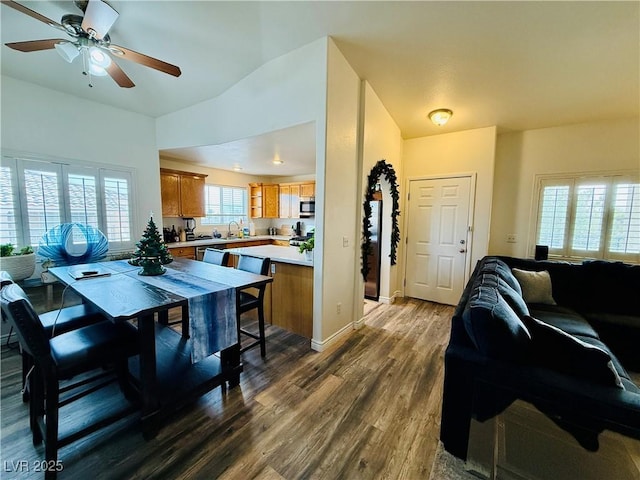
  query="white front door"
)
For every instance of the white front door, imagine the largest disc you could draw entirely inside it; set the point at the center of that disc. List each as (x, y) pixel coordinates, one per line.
(437, 238)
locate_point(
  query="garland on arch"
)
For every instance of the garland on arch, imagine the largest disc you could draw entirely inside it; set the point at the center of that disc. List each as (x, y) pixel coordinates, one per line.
(381, 168)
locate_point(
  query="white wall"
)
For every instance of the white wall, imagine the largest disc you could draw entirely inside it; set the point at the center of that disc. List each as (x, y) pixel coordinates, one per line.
(520, 156)
(471, 151)
(381, 140)
(44, 122)
(337, 213)
(286, 91)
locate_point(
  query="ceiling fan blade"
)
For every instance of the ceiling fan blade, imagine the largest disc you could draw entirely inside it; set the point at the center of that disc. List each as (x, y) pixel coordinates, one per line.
(35, 45)
(98, 19)
(145, 60)
(119, 76)
(31, 13)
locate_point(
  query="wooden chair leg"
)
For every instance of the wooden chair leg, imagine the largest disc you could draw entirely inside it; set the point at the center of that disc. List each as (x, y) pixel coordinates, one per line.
(36, 406)
(263, 341)
(51, 427)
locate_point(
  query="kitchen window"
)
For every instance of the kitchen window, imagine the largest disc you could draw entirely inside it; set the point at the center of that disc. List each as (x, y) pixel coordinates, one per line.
(38, 195)
(594, 216)
(224, 204)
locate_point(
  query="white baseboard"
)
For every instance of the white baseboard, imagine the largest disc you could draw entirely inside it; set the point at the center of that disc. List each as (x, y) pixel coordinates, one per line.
(322, 346)
(390, 300)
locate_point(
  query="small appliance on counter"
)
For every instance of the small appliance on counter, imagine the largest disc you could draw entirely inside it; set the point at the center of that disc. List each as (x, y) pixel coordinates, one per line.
(189, 226)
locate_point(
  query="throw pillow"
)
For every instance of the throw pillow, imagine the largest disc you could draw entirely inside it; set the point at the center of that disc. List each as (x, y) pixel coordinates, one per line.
(536, 286)
(560, 351)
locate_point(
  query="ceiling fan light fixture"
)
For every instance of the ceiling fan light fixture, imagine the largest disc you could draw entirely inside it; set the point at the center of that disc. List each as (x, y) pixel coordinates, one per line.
(440, 116)
(67, 50)
(99, 58)
(96, 70)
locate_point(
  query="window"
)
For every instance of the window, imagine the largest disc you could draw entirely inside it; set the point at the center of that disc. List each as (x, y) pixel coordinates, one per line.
(590, 216)
(224, 205)
(38, 195)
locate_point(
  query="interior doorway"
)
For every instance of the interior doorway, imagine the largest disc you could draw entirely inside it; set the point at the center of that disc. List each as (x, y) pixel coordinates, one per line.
(438, 238)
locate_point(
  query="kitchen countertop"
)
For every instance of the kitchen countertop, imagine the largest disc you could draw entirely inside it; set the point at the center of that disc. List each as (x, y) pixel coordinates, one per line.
(275, 253)
(225, 241)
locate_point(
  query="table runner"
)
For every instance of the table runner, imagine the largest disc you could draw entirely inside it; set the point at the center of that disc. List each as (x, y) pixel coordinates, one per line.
(212, 309)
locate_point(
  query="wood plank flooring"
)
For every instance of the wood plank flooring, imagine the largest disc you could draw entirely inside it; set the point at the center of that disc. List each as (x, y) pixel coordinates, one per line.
(368, 408)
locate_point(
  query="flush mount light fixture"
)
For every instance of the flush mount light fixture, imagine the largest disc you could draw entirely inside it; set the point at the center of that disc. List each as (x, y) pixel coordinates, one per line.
(277, 160)
(237, 168)
(440, 116)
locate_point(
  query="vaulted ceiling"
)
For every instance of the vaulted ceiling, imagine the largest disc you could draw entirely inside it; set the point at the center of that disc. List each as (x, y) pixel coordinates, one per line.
(517, 65)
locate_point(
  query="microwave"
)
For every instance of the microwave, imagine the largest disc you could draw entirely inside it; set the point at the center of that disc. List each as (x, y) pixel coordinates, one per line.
(307, 207)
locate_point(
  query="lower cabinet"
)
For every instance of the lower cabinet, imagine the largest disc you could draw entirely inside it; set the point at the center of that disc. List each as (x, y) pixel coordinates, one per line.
(185, 252)
(292, 298)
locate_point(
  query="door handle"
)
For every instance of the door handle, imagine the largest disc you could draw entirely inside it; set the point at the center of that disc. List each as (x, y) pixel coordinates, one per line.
(462, 250)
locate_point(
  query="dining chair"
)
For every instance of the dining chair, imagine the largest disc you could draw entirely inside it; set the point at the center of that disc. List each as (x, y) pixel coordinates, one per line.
(54, 323)
(216, 257)
(62, 357)
(250, 301)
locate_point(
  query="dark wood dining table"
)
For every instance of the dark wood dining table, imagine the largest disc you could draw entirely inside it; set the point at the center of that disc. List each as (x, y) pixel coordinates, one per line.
(165, 372)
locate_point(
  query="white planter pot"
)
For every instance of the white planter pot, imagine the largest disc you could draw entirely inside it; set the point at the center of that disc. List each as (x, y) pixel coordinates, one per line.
(308, 254)
(19, 266)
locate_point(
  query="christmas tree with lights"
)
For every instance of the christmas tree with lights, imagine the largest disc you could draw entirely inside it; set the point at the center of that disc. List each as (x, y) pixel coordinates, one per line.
(151, 252)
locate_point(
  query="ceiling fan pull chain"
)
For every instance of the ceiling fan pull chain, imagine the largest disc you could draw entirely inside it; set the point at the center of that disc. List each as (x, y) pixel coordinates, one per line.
(85, 66)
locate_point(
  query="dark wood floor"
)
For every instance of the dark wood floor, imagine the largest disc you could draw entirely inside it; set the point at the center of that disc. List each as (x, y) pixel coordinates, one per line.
(367, 408)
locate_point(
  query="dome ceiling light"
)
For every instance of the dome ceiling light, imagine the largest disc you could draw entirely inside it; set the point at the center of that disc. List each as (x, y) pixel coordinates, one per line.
(440, 116)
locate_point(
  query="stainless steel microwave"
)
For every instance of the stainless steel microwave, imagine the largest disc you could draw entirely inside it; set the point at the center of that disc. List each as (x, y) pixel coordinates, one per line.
(307, 207)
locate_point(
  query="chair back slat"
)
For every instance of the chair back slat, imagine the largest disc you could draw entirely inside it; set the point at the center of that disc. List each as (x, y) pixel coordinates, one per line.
(215, 256)
(18, 310)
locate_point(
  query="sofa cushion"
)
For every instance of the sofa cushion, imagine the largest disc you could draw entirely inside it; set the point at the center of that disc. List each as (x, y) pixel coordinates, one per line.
(596, 342)
(536, 286)
(496, 266)
(493, 326)
(513, 298)
(562, 352)
(632, 321)
(565, 319)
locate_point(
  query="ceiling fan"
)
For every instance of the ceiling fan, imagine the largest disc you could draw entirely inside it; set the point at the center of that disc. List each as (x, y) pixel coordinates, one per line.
(90, 38)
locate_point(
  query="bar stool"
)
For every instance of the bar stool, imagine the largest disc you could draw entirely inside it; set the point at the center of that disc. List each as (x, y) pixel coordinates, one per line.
(216, 257)
(54, 323)
(249, 301)
(62, 357)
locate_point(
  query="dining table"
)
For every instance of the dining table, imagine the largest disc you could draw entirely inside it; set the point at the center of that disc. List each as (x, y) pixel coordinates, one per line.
(172, 369)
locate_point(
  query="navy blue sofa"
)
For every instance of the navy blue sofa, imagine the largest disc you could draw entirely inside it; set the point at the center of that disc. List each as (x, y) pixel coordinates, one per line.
(567, 355)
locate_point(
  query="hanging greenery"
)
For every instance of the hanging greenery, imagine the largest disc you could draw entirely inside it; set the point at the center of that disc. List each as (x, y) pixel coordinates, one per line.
(381, 168)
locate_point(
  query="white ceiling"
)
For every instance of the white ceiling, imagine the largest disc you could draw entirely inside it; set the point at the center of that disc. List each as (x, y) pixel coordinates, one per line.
(517, 65)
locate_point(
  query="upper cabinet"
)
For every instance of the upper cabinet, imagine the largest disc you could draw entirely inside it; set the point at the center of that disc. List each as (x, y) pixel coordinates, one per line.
(308, 190)
(264, 201)
(289, 200)
(182, 193)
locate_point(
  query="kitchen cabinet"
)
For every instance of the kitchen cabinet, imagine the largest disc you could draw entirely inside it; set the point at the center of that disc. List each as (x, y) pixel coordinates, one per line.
(292, 298)
(264, 201)
(289, 200)
(184, 252)
(308, 189)
(280, 243)
(182, 193)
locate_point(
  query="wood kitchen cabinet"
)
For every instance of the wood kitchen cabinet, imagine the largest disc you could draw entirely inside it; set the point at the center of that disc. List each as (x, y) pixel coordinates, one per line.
(182, 194)
(184, 252)
(289, 200)
(264, 201)
(308, 189)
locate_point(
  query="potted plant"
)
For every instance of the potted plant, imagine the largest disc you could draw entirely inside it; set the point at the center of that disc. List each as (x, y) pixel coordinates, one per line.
(19, 265)
(307, 248)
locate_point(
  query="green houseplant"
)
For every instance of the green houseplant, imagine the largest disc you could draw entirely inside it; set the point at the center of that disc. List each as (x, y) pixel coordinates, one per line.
(19, 265)
(307, 248)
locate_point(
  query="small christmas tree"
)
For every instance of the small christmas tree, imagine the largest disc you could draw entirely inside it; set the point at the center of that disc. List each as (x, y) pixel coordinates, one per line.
(151, 253)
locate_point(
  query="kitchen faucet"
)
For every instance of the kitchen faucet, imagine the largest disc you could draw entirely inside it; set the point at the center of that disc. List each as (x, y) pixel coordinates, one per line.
(229, 234)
